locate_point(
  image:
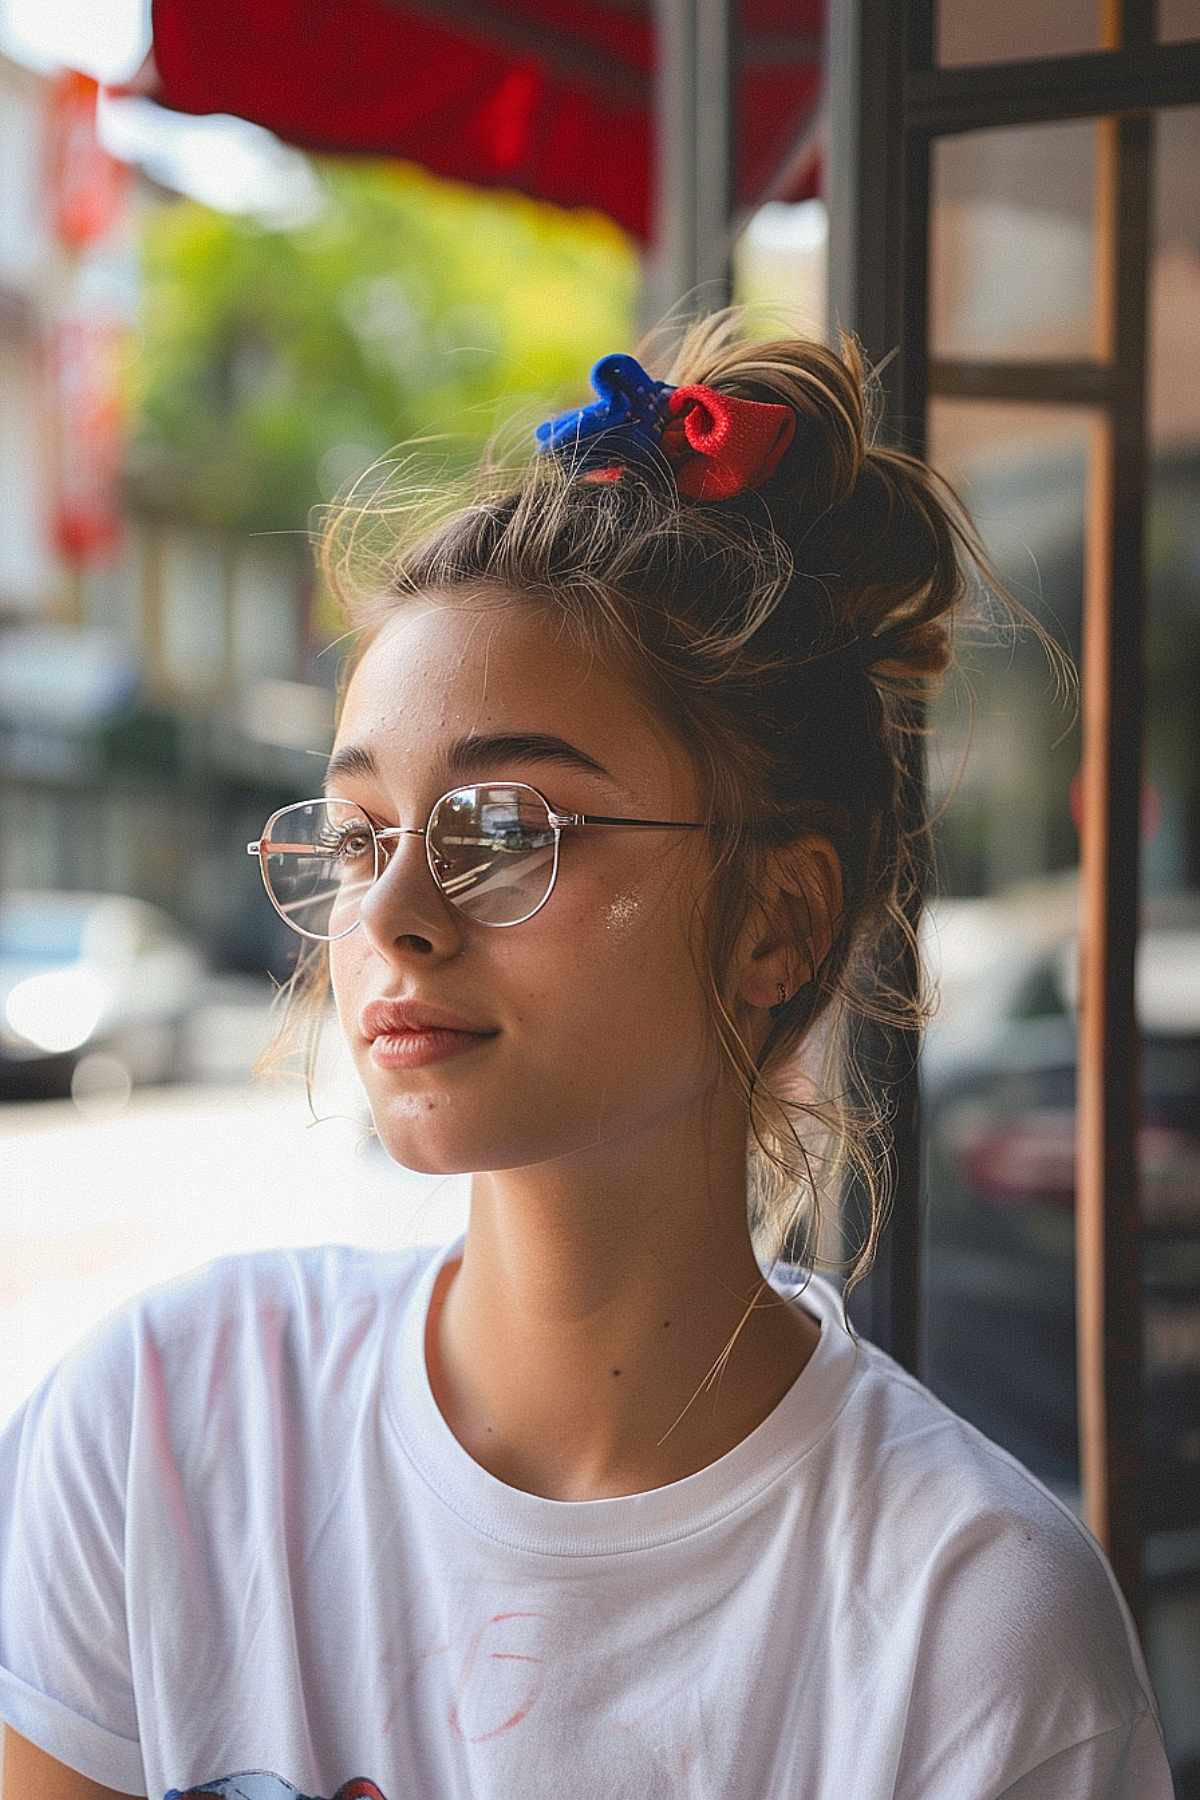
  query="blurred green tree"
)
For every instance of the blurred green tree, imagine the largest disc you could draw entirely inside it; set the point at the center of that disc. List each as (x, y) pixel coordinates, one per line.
(275, 365)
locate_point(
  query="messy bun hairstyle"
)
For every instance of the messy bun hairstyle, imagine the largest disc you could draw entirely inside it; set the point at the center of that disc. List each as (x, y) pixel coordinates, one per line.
(731, 620)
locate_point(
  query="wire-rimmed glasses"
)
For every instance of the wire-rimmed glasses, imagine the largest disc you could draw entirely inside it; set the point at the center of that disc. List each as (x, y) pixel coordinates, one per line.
(492, 849)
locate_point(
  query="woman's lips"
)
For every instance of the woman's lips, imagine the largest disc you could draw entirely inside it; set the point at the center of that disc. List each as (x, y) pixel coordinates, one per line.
(411, 1049)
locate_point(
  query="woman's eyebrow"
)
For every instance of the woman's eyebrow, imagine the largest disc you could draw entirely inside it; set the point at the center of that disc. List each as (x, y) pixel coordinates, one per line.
(477, 754)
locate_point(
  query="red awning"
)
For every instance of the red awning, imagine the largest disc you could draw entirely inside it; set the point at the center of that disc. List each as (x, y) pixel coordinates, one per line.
(551, 97)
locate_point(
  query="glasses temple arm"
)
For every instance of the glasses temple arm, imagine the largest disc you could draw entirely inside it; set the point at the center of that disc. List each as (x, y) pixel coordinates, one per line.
(655, 824)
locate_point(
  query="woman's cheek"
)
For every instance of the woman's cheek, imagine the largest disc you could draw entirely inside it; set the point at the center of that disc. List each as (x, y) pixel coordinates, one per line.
(621, 913)
(348, 987)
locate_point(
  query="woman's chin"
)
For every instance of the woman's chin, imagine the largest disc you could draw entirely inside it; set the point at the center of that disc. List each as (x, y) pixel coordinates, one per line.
(416, 1164)
(408, 1142)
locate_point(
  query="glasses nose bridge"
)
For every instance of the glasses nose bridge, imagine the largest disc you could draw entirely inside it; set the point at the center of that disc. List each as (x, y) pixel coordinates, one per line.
(387, 838)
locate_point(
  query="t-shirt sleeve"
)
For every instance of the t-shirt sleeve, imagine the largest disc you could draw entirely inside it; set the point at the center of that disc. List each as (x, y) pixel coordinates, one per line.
(1127, 1763)
(1030, 1682)
(65, 1675)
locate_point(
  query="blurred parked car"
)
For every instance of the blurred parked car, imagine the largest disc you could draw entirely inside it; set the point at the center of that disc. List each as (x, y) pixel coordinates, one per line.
(85, 975)
(998, 1108)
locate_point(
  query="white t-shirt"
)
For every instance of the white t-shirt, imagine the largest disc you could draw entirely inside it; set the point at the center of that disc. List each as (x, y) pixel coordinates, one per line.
(242, 1553)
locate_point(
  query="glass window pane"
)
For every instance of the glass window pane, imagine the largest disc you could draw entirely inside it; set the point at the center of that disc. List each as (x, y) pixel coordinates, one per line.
(1021, 470)
(1172, 851)
(1174, 322)
(1012, 242)
(781, 259)
(999, 1076)
(998, 1061)
(1168, 967)
(971, 31)
(1178, 21)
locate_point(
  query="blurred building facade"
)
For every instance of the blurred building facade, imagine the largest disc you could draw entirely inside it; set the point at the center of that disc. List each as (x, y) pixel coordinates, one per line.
(156, 679)
(26, 568)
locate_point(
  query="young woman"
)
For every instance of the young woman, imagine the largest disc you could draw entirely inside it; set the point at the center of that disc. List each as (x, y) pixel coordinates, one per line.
(585, 1502)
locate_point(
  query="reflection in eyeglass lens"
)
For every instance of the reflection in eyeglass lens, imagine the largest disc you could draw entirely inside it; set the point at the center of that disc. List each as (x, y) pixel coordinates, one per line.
(493, 850)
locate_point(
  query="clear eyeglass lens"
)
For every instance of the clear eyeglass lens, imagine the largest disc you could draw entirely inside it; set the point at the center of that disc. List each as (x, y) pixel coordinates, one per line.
(492, 850)
(320, 858)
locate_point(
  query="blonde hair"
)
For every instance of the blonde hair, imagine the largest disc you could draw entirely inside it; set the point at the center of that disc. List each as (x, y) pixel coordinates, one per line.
(722, 617)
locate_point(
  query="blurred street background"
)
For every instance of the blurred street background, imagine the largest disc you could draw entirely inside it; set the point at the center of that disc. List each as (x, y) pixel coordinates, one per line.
(205, 334)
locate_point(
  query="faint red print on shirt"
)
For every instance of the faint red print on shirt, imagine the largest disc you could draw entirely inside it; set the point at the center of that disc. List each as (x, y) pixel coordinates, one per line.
(476, 1667)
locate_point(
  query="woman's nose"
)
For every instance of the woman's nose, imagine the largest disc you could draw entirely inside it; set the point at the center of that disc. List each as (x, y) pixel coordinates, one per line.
(402, 879)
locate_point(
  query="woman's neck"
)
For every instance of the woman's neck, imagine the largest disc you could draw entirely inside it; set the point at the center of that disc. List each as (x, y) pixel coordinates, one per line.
(570, 1401)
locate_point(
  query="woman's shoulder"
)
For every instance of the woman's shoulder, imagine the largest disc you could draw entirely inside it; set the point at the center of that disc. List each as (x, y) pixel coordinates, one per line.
(300, 1279)
(229, 1319)
(992, 1557)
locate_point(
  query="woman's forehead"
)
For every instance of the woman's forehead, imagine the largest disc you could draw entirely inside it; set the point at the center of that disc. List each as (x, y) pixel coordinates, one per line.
(466, 643)
(437, 672)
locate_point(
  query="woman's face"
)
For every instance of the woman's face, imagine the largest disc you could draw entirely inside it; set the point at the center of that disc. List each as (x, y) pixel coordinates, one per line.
(600, 1015)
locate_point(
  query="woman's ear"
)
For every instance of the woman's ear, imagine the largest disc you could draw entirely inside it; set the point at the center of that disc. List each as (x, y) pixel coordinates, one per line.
(805, 919)
(824, 886)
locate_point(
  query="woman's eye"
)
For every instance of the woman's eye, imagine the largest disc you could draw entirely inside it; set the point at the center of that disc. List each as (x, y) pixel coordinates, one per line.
(339, 843)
